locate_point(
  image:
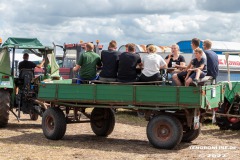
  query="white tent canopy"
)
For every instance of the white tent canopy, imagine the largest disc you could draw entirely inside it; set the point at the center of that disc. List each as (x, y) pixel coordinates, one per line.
(225, 46)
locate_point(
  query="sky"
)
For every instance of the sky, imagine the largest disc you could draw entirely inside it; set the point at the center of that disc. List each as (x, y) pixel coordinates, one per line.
(157, 22)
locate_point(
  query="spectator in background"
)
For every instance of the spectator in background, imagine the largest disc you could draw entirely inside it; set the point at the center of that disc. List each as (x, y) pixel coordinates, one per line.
(128, 62)
(152, 63)
(110, 59)
(212, 59)
(87, 63)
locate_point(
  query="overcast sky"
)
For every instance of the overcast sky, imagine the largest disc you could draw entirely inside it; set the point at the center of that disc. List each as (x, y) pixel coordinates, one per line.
(159, 22)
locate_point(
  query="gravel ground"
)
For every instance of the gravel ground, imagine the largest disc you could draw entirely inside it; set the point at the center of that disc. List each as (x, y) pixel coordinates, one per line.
(25, 140)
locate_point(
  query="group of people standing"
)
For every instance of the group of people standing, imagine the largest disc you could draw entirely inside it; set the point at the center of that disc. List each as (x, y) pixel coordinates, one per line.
(122, 67)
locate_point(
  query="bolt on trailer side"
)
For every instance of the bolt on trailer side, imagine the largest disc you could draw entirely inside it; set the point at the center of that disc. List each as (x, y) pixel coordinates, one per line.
(173, 112)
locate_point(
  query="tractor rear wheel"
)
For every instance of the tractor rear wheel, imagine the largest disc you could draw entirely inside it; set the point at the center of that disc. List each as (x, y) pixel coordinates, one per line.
(4, 107)
(225, 123)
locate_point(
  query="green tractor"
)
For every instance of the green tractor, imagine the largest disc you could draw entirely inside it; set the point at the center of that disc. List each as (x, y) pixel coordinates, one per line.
(19, 91)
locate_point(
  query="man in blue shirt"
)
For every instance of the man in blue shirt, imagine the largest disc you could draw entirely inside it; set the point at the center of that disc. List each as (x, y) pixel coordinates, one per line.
(212, 59)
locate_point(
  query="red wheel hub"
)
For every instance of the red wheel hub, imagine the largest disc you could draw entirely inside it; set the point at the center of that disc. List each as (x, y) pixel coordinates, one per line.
(234, 120)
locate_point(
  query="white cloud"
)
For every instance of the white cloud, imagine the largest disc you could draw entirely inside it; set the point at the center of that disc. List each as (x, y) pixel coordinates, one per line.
(138, 21)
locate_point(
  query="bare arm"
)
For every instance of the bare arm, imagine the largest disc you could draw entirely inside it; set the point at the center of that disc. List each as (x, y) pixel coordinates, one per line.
(77, 67)
(201, 67)
(41, 64)
(189, 71)
(168, 59)
(164, 66)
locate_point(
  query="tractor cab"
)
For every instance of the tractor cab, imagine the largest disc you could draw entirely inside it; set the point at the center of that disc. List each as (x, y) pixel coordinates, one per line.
(21, 87)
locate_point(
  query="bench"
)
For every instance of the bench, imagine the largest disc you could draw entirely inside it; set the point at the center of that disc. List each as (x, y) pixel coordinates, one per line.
(128, 83)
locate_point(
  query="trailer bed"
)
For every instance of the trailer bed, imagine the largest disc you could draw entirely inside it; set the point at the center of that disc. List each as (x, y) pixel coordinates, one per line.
(127, 96)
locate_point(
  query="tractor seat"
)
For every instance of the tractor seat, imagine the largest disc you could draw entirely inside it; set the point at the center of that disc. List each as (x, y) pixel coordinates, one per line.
(25, 76)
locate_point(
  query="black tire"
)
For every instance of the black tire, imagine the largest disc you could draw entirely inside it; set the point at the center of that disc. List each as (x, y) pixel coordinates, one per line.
(33, 115)
(224, 123)
(190, 134)
(102, 121)
(164, 131)
(4, 107)
(54, 123)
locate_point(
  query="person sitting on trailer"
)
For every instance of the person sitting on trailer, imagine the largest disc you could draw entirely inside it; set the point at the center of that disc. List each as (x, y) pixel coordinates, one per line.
(151, 64)
(87, 63)
(110, 59)
(128, 62)
(175, 61)
(212, 59)
(179, 78)
(197, 69)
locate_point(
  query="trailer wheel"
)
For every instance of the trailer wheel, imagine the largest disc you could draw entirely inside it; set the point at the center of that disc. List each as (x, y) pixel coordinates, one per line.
(54, 123)
(102, 121)
(33, 115)
(225, 123)
(190, 134)
(164, 131)
(4, 107)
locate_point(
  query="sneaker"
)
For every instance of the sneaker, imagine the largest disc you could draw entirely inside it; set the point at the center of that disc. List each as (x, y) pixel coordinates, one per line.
(195, 82)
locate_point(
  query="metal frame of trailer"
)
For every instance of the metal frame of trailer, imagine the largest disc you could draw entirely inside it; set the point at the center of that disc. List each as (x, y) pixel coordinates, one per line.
(174, 113)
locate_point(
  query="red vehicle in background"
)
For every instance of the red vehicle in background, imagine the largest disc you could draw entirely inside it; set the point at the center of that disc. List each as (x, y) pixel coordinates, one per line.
(71, 54)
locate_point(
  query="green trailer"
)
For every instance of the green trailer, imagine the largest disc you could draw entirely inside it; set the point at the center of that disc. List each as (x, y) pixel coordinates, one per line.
(174, 113)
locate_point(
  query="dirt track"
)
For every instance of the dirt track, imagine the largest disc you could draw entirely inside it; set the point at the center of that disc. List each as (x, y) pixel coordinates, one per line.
(25, 141)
